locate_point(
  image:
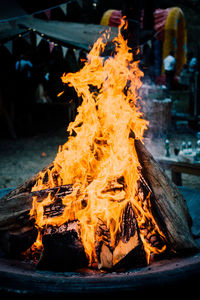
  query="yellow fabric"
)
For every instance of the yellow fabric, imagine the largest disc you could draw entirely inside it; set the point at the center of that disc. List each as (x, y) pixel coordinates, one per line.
(176, 37)
(106, 17)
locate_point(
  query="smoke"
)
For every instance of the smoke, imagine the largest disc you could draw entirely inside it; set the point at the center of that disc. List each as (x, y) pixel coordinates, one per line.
(156, 108)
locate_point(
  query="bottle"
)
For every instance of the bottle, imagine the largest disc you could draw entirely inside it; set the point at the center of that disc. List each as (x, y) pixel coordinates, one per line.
(197, 156)
(167, 148)
(183, 147)
(189, 147)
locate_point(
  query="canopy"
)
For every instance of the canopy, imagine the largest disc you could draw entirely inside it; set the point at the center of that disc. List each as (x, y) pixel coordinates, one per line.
(10, 12)
(73, 34)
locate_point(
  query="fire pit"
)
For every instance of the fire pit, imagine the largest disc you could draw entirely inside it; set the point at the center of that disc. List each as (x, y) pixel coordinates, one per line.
(169, 275)
(104, 203)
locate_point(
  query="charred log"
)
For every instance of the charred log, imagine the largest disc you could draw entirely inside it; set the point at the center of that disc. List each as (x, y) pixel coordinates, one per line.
(14, 242)
(63, 249)
(14, 210)
(128, 251)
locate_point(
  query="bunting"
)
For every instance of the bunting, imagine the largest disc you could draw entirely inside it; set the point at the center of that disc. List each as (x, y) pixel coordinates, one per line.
(9, 46)
(40, 36)
(63, 7)
(64, 51)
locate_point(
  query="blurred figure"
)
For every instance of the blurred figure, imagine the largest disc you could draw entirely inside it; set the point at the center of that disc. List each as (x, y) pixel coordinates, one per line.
(192, 68)
(193, 84)
(24, 93)
(169, 67)
(24, 66)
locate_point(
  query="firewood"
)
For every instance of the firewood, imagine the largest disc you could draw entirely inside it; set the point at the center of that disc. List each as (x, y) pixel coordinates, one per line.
(63, 249)
(14, 211)
(26, 186)
(128, 251)
(169, 205)
(14, 242)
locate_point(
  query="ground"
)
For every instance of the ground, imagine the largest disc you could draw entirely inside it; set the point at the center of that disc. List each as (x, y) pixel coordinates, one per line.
(21, 158)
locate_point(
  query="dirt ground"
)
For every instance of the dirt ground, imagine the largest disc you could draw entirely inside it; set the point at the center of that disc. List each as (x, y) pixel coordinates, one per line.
(21, 158)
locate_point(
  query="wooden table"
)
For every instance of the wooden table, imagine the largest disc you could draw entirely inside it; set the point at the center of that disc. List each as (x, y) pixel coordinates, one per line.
(177, 168)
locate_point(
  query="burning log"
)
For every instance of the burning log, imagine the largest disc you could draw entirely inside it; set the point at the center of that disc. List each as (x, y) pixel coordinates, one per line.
(128, 249)
(15, 207)
(169, 204)
(63, 249)
(17, 229)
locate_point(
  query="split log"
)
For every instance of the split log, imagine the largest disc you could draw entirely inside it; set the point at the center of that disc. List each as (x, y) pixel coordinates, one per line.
(169, 205)
(128, 251)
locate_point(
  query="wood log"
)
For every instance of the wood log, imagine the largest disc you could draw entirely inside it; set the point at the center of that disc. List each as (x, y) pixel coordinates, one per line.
(128, 251)
(14, 210)
(63, 249)
(14, 242)
(26, 186)
(169, 205)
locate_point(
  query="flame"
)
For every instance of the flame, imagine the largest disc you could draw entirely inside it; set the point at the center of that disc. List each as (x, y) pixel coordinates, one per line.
(99, 150)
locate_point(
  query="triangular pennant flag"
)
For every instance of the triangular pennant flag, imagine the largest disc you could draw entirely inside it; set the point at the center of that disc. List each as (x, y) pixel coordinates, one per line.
(51, 47)
(38, 39)
(64, 50)
(27, 37)
(64, 8)
(48, 13)
(80, 2)
(9, 46)
(77, 52)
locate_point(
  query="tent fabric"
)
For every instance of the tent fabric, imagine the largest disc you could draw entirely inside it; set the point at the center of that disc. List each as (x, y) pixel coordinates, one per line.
(16, 21)
(68, 34)
(10, 9)
(10, 29)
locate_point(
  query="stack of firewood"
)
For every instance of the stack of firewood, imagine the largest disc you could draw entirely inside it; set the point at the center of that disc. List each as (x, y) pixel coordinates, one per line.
(62, 245)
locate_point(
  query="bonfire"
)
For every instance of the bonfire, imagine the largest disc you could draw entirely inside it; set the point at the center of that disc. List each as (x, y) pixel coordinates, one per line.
(104, 202)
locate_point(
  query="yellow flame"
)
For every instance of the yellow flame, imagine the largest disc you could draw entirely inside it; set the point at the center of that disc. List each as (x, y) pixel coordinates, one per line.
(99, 150)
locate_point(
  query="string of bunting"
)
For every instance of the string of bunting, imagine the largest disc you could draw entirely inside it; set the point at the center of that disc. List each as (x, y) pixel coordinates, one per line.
(41, 36)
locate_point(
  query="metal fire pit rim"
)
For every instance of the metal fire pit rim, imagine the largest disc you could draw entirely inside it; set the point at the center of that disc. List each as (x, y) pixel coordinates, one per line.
(169, 273)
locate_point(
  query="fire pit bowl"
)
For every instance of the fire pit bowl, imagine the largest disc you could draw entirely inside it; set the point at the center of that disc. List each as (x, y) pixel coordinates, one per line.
(168, 275)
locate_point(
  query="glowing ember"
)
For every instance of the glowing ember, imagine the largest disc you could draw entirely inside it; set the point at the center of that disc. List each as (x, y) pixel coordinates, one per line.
(99, 159)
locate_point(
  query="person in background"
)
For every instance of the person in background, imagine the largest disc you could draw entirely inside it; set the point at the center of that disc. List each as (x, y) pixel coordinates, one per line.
(24, 94)
(169, 67)
(24, 67)
(192, 68)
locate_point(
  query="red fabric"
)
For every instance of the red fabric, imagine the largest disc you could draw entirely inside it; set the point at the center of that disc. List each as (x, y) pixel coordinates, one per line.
(115, 18)
(48, 13)
(160, 16)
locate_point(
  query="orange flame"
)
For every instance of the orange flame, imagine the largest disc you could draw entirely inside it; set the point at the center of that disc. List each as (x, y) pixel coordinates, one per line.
(99, 150)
